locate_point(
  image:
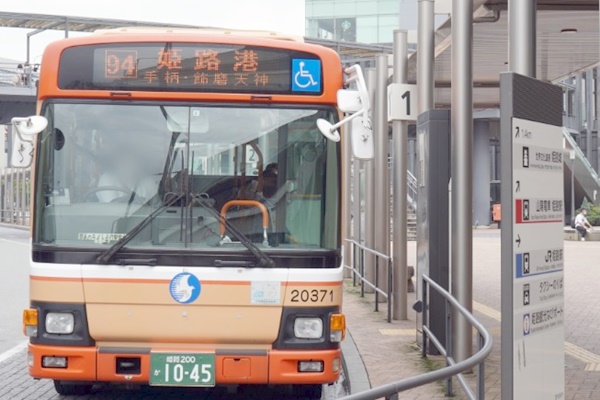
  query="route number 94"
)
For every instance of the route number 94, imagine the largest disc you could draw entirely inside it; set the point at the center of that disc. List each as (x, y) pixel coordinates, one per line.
(312, 296)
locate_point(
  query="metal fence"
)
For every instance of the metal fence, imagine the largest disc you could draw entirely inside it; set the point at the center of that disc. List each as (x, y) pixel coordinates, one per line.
(15, 196)
(453, 307)
(358, 263)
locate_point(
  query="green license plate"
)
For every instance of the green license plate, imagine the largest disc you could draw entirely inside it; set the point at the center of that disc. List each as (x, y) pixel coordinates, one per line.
(182, 369)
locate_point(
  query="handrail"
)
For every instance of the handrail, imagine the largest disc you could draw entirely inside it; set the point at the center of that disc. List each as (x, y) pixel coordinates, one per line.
(391, 390)
(360, 274)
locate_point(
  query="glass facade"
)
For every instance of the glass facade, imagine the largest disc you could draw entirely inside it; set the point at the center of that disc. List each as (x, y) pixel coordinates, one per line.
(363, 21)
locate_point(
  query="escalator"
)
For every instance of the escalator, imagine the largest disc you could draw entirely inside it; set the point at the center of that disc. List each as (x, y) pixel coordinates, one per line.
(586, 180)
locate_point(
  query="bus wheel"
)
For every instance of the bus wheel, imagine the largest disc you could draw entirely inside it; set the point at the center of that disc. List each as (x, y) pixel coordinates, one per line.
(72, 389)
(307, 392)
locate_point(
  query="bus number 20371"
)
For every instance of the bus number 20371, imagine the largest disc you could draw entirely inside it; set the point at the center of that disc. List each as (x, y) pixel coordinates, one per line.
(312, 296)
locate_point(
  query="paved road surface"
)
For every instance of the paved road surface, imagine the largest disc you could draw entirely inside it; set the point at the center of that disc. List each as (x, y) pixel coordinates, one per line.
(14, 286)
(16, 384)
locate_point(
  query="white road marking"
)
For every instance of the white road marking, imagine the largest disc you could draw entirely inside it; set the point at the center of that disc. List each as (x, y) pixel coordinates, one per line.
(13, 351)
(397, 332)
(14, 241)
(592, 360)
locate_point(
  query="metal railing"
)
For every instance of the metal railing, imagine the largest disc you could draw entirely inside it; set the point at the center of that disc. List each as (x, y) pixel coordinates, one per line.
(358, 252)
(15, 196)
(19, 74)
(411, 190)
(484, 345)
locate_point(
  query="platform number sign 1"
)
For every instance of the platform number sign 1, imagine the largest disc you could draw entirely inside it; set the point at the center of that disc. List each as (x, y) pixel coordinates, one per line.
(400, 102)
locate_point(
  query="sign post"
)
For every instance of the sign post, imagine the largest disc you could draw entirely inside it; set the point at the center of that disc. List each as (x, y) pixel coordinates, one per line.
(532, 241)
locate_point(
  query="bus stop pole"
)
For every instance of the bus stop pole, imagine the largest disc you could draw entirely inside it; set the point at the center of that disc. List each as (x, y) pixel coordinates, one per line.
(522, 34)
(346, 199)
(425, 55)
(400, 150)
(356, 201)
(462, 174)
(382, 177)
(369, 268)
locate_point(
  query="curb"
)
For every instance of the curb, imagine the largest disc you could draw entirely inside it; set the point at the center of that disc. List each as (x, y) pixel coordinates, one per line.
(357, 377)
(13, 226)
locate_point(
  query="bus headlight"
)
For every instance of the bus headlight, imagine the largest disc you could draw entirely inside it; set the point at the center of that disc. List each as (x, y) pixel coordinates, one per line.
(308, 327)
(60, 323)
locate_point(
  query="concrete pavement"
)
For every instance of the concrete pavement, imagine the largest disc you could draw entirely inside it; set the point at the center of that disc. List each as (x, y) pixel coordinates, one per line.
(390, 353)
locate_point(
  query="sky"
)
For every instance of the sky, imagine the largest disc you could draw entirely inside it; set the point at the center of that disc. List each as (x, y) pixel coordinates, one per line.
(286, 16)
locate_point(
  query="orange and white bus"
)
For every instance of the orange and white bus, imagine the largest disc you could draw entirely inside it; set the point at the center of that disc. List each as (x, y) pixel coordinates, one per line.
(186, 212)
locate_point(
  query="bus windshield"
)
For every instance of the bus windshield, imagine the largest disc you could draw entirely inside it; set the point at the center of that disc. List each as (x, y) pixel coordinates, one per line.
(102, 168)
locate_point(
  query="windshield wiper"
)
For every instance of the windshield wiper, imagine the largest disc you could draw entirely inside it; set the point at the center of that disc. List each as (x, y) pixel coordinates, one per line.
(263, 259)
(106, 255)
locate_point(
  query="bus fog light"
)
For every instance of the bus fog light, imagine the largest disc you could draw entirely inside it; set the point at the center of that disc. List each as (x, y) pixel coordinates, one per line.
(60, 323)
(308, 328)
(29, 359)
(310, 366)
(54, 362)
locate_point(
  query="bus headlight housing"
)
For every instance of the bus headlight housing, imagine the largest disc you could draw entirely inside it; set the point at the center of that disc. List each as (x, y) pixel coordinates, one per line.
(30, 322)
(60, 323)
(308, 327)
(337, 326)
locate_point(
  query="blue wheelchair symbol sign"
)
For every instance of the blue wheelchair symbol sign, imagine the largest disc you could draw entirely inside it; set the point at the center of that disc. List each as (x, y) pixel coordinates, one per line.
(306, 75)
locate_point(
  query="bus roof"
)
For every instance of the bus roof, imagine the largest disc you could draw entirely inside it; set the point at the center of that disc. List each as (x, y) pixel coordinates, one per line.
(259, 34)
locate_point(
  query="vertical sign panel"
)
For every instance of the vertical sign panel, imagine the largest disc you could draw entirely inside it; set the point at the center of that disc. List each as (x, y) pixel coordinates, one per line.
(538, 315)
(532, 241)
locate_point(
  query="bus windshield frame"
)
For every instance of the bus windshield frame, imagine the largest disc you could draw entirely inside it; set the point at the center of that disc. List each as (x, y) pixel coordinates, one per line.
(104, 166)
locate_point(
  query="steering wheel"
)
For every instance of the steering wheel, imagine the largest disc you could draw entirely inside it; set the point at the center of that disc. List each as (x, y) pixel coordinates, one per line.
(126, 192)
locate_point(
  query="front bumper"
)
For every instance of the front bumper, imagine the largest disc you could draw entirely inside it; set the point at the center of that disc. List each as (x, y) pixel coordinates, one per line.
(93, 364)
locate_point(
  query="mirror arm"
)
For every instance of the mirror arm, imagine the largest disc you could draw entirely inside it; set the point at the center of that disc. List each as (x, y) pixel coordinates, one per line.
(345, 120)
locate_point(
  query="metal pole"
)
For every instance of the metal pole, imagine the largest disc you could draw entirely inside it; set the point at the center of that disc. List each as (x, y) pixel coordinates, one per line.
(522, 39)
(382, 176)
(462, 173)
(346, 196)
(400, 144)
(425, 55)
(589, 112)
(369, 268)
(572, 158)
(377, 283)
(23, 197)
(11, 206)
(597, 110)
(356, 199)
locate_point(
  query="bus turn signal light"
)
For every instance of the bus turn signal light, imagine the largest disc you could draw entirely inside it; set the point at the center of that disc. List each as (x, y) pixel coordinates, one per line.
(30, 322)
(337, 327)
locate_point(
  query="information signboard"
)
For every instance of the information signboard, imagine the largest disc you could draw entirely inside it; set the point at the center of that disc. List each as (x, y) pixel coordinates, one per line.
(532, 241)
(538, 286)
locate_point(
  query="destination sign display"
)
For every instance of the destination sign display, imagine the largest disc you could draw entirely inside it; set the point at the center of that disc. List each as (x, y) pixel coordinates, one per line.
(190, 67)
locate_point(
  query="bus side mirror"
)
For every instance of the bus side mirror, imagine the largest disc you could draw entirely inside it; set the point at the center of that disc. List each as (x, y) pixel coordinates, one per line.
(23, 135)
(356, 103)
